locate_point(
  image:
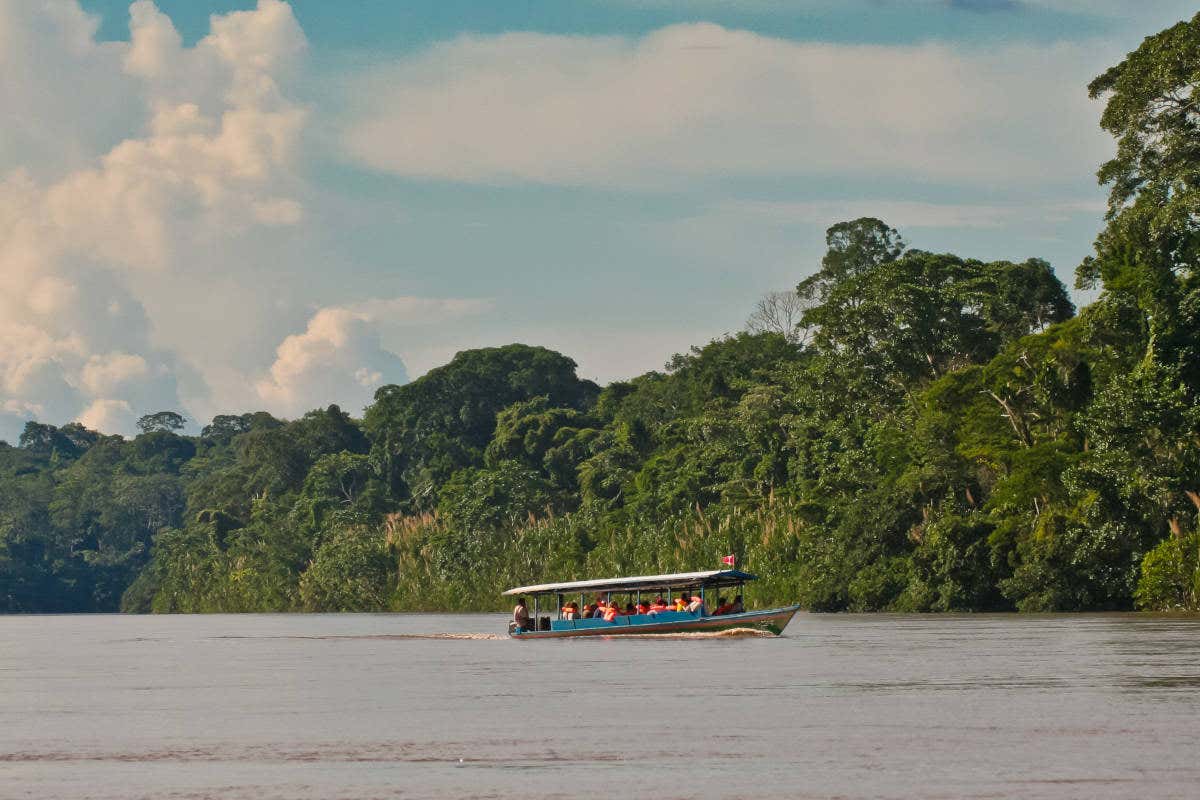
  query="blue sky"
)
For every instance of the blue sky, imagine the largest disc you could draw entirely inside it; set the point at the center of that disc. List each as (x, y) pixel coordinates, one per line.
(217, 206)
(387, 26)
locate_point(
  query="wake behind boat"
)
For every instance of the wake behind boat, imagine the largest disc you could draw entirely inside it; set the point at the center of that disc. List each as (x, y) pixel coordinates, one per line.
(639, 615)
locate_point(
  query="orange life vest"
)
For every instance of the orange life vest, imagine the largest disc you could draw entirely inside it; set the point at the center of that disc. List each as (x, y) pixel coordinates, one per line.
(610, 613)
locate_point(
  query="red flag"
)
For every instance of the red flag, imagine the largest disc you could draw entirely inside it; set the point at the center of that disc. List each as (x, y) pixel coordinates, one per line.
(728, 560)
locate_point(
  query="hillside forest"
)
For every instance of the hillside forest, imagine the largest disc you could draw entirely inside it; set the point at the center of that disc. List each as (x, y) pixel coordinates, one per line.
(906, 430)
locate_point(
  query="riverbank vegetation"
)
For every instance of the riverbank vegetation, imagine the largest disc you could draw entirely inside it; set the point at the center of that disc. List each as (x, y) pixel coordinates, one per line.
(907, 430)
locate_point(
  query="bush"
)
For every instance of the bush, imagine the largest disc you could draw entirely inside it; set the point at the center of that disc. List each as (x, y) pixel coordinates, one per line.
(352, 571)
(1170, 579)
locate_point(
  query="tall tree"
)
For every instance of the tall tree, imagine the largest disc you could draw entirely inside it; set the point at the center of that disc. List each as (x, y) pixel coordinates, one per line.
(1148, 256)
(854, 247)
(161, 421)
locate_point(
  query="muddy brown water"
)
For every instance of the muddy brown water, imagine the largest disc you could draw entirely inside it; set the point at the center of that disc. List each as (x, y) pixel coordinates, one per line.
(416, 706)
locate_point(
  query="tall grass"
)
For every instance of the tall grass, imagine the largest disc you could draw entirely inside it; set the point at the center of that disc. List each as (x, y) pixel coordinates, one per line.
(440, 568)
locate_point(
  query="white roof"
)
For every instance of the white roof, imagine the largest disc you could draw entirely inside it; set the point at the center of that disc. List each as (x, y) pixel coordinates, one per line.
(714, 577)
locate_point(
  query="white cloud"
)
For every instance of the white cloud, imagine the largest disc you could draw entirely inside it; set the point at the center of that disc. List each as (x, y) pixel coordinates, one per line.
(207, 151)
(701, 101)
(50, 67)
(340, 357)
(108, 415)
(278, 211)
(108, 373)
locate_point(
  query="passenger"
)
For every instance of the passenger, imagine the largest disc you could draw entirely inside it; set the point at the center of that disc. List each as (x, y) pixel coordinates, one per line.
(611, 613)
(588, 611)
(630, 609)
(697, 605)
(521, 615)
(570, 610)
(722, 607)
(681, 602)
(737, 607)
(643, 607)
(658, 605)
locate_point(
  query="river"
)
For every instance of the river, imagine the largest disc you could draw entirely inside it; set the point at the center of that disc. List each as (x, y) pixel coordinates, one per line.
(366, 706)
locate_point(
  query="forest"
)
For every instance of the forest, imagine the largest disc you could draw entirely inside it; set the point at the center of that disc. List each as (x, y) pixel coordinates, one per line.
(905, 431)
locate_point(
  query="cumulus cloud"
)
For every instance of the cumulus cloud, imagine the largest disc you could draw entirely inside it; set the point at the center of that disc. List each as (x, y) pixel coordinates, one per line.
(701, 101)
(108, 415)
(209, 153)
(49, 60)
(340, 356)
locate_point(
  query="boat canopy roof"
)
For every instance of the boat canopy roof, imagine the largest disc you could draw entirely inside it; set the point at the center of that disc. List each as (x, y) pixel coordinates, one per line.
(711, 578)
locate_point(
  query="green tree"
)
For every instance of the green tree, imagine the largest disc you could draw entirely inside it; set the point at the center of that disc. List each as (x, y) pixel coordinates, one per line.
(1147, 256)
(161, 421)
(855, 247)
(425, 431)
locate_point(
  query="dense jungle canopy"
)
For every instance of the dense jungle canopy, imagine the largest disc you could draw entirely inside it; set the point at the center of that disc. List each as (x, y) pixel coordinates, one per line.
(907, 430)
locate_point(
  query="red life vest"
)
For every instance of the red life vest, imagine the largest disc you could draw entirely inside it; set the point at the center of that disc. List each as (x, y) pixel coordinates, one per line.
(610, 613)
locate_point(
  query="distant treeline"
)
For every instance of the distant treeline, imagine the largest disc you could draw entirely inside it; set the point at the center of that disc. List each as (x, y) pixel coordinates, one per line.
(906, 430)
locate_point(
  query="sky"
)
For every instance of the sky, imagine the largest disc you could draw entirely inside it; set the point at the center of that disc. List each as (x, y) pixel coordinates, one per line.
(216, 206)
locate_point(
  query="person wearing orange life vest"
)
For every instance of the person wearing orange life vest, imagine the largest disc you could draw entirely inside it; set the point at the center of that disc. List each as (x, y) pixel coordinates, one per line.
(680, 602)
(697, 605)
(570, 610)
(611, 612)
(643, 607)
(659, 604)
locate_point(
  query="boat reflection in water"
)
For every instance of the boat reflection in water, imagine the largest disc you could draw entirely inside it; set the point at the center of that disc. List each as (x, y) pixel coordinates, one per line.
(634, 590)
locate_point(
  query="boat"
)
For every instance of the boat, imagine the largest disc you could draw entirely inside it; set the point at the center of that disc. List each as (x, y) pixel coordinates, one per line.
(772, 620)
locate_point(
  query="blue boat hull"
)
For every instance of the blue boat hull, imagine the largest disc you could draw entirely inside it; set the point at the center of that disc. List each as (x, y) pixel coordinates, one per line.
(772, 620)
